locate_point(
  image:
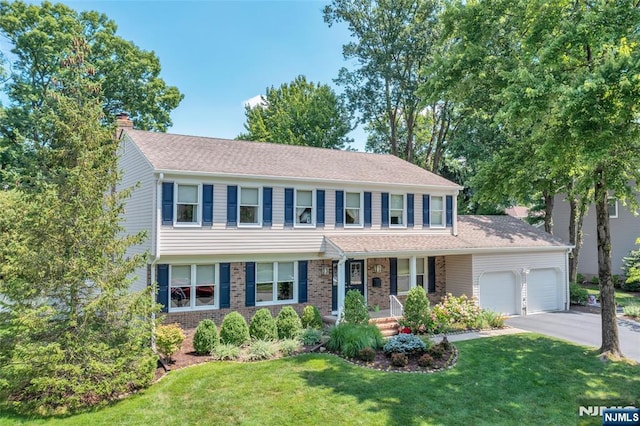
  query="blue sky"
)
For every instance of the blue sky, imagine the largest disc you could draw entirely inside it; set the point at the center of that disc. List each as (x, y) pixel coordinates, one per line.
(222, 53)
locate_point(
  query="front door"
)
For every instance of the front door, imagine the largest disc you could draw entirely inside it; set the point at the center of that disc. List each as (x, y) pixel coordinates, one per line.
(354, 279)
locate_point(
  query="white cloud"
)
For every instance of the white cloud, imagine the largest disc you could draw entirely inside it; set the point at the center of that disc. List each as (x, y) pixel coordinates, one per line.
(255, 101)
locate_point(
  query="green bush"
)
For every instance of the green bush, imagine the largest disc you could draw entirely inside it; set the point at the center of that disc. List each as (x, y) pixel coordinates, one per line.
(355, 310)
(169, 338)
(263, 325)
(577, 294)
(579, 278)
(409, 344)
(206, 337)
(367, 354)
(349, 339)
(632, 310)
(399, 359)
(262, 349)
(310, 336)
(617, 280)
(416, 311)
(311, 317)
(225, 352)
(289, 346)
(631, 286)
(595, 280)
(425, 361)
(288, 323)
(437, 351)
(454, 313)
(489, 319)
(234, 329)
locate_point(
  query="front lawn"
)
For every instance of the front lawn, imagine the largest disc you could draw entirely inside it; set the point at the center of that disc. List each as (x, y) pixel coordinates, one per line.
(514, 379)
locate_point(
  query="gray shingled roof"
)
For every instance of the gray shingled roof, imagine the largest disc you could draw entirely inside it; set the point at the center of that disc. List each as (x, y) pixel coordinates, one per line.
(178, 153)
(474, 233)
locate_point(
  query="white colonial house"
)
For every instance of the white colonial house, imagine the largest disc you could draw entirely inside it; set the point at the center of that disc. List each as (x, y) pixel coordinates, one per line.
(236, 225)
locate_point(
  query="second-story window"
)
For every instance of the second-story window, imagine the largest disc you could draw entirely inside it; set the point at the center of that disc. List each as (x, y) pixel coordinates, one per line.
(187, 204)
(437, 211)
(352, 209)
(249, 206)
(396, 209)
(304, 207)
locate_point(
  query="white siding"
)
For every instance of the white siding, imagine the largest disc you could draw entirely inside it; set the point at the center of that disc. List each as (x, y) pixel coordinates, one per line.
(459, 275)
(140, 207)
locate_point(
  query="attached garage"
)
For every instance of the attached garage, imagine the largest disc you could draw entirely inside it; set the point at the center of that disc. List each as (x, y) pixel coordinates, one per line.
(500, 292)
(544, 290)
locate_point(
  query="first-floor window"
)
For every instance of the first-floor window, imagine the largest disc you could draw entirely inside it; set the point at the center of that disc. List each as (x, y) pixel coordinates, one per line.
(404, 276)
(275, 282)
(192, 286)
(612, 207)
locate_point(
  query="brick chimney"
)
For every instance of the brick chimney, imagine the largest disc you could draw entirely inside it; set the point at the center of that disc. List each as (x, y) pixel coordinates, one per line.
(123, 121)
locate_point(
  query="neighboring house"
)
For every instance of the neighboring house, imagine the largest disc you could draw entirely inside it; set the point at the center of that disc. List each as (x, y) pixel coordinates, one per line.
(237, 225)
(625, 229)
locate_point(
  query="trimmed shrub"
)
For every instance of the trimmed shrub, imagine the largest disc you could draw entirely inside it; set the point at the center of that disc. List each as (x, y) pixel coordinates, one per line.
(289, 346)
(288, 323)
(234, 329)
(169, 338)
(632, 311)
(206, 337)
(263, 326)
(355, 310)
(405, 344)
(457, 313)
(577, 294)
(262, 349)
(349, 339)
(425, 361)
(311, 317)
(399, 359)
(310, 336)
(367, 354)
(416, 310)
(225, 352)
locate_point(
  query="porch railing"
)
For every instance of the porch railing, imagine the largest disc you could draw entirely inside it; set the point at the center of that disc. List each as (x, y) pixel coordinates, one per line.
(396, 308)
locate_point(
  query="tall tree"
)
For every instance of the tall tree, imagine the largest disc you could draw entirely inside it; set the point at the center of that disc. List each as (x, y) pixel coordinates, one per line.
(393, 40)
(299, 113)
(36, 35)
(566, 82)
(71, 333)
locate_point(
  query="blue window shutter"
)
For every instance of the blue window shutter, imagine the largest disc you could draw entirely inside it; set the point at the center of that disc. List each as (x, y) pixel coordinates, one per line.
(167, 203)
(431, 261)
(250, 284)
(339, 208)
(449, 210)
(267, 211)
(162, 276)
(410, 210)
(367, 209)
(288, 207)
(207, 205)
(232, 205)
(320, 207)
(225, 285)
(302, 281)
(393, 267)
(385, 209)
(426, 213)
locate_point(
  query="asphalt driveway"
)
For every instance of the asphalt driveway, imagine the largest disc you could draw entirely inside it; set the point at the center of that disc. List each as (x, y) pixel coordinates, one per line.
(582, 328)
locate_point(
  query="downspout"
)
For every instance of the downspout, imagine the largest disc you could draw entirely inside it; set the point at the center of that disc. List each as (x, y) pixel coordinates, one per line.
(567, 294)
(156, 248)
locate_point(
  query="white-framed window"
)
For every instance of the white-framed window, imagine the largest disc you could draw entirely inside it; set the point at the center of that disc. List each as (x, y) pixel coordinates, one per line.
(276, 283)
(404, 276)
(396, 210)
(436, 207)
(353, 209)
(304, 207)
(420, 274)
(187, 206)
(249, 206)
(612, 207)
(192, 287)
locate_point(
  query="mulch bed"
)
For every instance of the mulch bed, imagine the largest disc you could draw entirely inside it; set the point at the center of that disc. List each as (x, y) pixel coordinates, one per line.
(187, 357)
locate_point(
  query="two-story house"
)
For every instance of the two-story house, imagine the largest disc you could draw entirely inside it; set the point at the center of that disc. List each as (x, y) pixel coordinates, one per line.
(237, 225)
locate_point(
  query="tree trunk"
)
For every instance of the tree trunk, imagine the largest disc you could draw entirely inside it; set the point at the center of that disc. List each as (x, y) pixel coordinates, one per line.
(548, 211)
(610, 342)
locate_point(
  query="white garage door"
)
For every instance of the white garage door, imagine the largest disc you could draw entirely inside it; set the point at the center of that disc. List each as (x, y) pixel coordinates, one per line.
(499, 292)
(544, 290)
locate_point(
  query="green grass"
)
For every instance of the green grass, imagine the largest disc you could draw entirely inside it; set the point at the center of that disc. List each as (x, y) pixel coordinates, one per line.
(623, 298)
(515, 379)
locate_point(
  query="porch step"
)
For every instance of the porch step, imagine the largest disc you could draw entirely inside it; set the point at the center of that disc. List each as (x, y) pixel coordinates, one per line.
(388, 326)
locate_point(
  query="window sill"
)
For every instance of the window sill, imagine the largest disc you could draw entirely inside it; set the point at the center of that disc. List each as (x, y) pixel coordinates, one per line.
(354, 226)
(249, 225)
(186, 225)
(194, 309)
(279, 302)
(304, 225)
